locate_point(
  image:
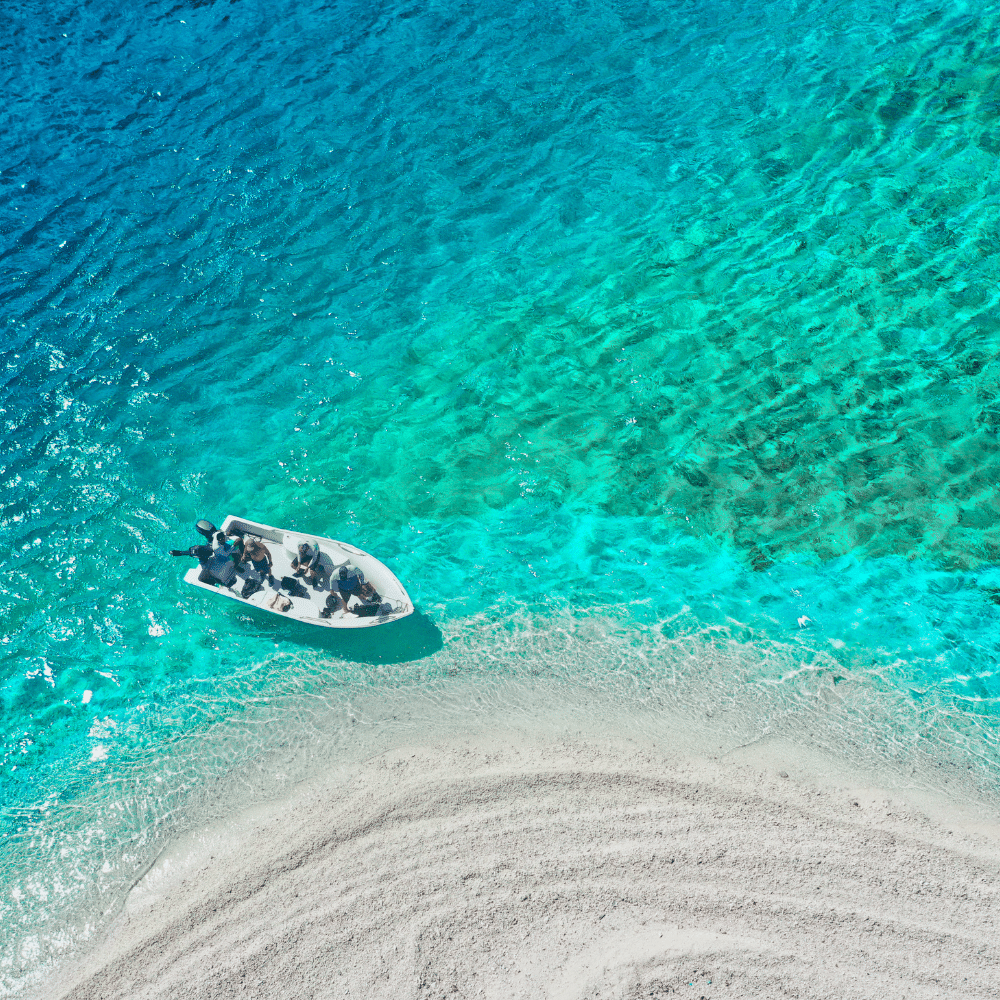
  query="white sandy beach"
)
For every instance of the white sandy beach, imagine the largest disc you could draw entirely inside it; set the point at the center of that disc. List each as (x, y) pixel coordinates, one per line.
(566, 867)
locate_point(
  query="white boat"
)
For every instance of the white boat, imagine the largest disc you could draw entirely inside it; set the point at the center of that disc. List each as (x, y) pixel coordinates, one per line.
(283, 545)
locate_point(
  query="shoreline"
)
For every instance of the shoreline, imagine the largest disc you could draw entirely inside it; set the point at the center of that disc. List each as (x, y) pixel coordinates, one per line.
(554, 860)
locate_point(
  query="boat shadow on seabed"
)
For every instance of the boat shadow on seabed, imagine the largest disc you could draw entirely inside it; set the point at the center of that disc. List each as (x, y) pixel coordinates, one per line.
(410, 638)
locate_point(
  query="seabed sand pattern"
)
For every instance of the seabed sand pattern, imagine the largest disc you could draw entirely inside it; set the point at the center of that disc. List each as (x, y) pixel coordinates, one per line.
(567, 866)
(683, 312)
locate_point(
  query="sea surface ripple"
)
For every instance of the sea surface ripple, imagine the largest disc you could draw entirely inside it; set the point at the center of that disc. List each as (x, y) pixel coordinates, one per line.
(653, 345)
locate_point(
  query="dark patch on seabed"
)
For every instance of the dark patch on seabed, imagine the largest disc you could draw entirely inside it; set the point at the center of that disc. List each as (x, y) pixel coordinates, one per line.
(653, 347)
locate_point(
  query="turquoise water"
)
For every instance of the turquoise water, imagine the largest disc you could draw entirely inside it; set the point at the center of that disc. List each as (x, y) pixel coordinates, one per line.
(654, 346)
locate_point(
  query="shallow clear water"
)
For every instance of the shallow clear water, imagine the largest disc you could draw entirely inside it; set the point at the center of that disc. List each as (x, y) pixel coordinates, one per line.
(654, 346)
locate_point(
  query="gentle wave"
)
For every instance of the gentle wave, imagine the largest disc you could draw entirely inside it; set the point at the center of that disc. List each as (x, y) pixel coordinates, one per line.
(675, 323)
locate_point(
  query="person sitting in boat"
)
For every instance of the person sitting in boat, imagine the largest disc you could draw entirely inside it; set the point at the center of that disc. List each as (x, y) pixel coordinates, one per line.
(349, 583)
(334, 604)
(230, 547)
(260, 558)
(306, 564)
(216, 566)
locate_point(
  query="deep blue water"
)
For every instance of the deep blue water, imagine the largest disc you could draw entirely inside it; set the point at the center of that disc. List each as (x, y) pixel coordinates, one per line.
(653, 345)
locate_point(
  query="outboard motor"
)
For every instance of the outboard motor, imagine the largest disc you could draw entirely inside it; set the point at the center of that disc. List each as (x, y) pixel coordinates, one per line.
(207, 529)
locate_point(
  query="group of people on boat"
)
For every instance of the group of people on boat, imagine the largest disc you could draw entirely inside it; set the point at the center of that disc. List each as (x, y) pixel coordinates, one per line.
(226, 555)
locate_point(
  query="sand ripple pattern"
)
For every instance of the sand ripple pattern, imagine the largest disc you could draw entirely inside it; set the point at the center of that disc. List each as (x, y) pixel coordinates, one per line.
(552, 306)
(568, 870)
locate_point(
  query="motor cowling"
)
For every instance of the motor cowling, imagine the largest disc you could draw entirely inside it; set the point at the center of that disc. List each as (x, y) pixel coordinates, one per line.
(206, 529)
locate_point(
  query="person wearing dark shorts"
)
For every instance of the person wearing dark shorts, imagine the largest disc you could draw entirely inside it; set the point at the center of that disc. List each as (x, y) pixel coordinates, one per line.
(260, 558)
(349, 583)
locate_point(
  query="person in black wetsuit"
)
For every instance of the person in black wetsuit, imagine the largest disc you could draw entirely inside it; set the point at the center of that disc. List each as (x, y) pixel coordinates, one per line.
(200, 552)
(218, 568)
(215, 567)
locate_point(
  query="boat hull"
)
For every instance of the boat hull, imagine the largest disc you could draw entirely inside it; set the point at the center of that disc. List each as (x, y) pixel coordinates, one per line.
(283, 546)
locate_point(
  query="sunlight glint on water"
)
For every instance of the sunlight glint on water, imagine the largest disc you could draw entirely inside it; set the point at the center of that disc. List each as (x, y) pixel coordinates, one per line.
(654, 346)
